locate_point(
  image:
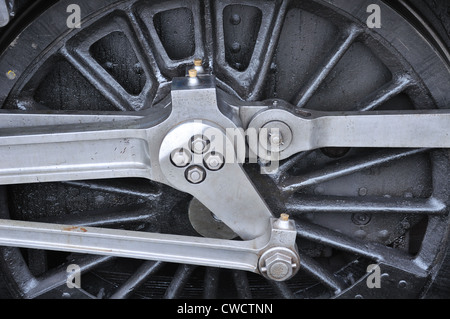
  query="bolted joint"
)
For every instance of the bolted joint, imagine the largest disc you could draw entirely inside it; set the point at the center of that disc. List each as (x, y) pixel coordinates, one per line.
(275, 139)
(277, 136)
(181, 157)
(199, 144)
(214, 161)
(279, 264)
(195, 174)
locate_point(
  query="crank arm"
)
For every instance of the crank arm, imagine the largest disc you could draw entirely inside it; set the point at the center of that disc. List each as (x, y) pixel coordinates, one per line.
(63, 146)
(272, 255)
(312, 130)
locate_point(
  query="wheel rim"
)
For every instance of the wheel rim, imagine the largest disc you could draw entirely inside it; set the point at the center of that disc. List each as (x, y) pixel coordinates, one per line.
(332, 191)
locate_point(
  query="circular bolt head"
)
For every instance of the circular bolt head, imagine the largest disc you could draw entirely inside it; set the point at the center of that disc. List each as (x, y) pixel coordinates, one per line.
(361, 219)
(279, 263)
(195, 174)
(199, 144)
(213, 161)
(279, 267)
(275, 139)
(181, 158)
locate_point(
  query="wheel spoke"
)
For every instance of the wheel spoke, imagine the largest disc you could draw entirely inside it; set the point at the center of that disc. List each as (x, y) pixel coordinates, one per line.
(179, 281)
(370, 205)
(143, 49)
(104, 218)
(305, 94)
(149, 193)
(371, 250)
(242, 286)
(57, 277)
(169, 66)
(282, 289)
(317, 271)
(384, 94)
(211, 283)
(286, 165)
(255, 75)
(209, 36)
(139, 277)
(99, 78)
(330, 172)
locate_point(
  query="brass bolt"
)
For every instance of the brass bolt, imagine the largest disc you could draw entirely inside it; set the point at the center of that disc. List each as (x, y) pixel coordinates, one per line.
(198, 62)
(283, 222)
(192, 73)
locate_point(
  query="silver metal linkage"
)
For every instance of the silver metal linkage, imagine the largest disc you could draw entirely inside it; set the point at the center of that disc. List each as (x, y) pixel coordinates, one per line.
(311, 130)
(185, 142)
(273, 254)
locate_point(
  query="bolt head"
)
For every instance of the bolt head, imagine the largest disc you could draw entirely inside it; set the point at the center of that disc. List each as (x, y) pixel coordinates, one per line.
(214, 161)
(279, 263)
(195, 174)
(199, 144)
(181, 157)
(275, 139)
(279, 267)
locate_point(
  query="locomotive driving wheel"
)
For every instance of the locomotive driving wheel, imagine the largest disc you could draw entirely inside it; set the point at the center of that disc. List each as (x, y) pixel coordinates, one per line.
(355, 202)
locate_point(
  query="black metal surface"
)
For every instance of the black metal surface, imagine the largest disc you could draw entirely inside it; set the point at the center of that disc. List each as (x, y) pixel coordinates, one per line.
(310, 53)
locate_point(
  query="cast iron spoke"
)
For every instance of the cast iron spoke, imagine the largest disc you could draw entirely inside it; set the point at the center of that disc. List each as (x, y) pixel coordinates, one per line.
(372, 250)
(370, 205)
(308, 90)
(287, 164)
(127, 189)
(343, 168)
(143, 49)
(242, 286)
(179, 281)
(139, 277)
(249, 83)
(317, 271)
(211, 283)
(282, 289)
(209, 36)
(267, 52)
(57, 277)
(100, 79)
(104, 217)
(28, 103)
(384, 94)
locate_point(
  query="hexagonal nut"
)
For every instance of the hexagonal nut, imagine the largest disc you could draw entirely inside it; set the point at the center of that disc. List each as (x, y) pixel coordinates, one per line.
(279, 263)
(199, 144)
(181, 157)
(195, 174)
(214, 161)
(279, 266)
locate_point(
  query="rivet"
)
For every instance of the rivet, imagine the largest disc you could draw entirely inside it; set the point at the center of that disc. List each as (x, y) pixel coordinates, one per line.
(235, 19)
(235, 47)
(11, 75)
(402, 284)
(362, 191)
